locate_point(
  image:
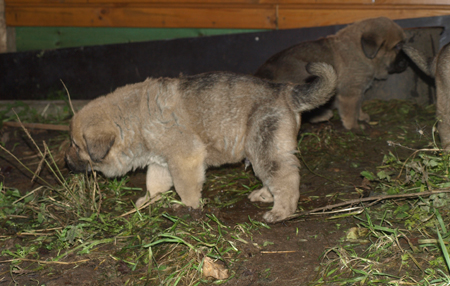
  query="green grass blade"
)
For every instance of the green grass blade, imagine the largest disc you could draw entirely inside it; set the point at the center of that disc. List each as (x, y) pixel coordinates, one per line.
(444, 249)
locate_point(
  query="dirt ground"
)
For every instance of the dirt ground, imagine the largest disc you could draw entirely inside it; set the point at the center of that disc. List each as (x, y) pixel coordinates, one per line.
(289, 253)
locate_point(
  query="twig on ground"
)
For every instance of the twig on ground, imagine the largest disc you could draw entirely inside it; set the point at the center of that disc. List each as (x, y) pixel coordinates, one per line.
(30, 193)
(39, 168)
(149, 202)
(17, 216)
(413, 155)
(68, 95)
(23, 165)
(37, 126)
(44, 262)
(34, 234)
(392, 143)
(373, 200)
(278, 252)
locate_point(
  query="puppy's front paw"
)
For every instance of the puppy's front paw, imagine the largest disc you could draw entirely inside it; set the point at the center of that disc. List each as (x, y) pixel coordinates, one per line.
(261, 195)
(364, 116)
(325, 115)
(350, 124)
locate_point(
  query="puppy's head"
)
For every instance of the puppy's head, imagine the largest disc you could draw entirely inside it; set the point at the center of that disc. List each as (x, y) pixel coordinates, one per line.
(92, 138)
(381, 42)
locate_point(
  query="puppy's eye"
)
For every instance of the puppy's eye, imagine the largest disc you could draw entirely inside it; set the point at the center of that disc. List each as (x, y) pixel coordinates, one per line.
(75, 145)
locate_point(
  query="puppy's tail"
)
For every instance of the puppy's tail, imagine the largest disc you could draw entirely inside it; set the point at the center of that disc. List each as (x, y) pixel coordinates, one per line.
(427, 65)
(318, 91)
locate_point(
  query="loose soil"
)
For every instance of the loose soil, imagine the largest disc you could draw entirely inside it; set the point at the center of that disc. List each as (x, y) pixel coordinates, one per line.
(289, 253)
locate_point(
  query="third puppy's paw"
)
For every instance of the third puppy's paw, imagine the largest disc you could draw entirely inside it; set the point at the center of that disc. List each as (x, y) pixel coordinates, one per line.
(261, 195)
(141, 201)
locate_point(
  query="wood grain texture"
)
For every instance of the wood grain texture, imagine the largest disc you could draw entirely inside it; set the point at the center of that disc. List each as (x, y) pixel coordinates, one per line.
(291, 17)
(357, 2)
(107, 16)
(247, 2)
(247, 14)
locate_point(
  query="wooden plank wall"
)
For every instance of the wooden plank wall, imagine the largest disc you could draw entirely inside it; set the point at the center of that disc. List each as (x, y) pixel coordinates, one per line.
(248, 14)
(7, 34)
(3, 42)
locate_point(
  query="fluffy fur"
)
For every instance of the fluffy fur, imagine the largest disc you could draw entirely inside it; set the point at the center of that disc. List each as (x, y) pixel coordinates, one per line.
(439, 68)
(361, 52)
(177, 127)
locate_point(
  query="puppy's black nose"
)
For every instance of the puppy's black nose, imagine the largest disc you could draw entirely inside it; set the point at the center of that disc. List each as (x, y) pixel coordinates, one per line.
(75, 168)
(400, 63)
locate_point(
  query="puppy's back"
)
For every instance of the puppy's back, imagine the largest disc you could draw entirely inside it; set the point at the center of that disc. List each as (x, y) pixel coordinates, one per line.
(289, 65)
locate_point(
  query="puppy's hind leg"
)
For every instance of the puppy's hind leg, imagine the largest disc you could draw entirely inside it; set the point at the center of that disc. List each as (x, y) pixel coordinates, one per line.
(159, 181)
(443, 95)
(281, 177)
(349, 107)
(284, 185)
(270, 147)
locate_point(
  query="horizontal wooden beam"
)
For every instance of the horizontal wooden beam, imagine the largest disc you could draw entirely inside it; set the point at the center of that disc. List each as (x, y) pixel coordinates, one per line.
(290, 17)
(247, 14)
(228, 2)
(144, 16)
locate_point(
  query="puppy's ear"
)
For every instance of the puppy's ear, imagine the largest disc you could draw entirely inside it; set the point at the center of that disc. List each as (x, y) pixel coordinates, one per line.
(98, 146)
(371, 44)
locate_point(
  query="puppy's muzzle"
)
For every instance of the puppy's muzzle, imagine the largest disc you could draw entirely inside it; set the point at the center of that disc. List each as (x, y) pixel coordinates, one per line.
(399, 64)
(75, 164)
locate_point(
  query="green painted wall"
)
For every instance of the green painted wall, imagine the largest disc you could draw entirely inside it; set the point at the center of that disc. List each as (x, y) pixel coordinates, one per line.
(42, 38)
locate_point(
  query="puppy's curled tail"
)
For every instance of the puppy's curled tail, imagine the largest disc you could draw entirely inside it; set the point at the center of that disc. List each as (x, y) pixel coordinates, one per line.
(427, 65)
(317, 92)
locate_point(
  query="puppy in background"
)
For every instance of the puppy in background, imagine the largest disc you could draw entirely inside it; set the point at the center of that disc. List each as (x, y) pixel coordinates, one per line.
(439, 68)
(360, 53)
(177, 127)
